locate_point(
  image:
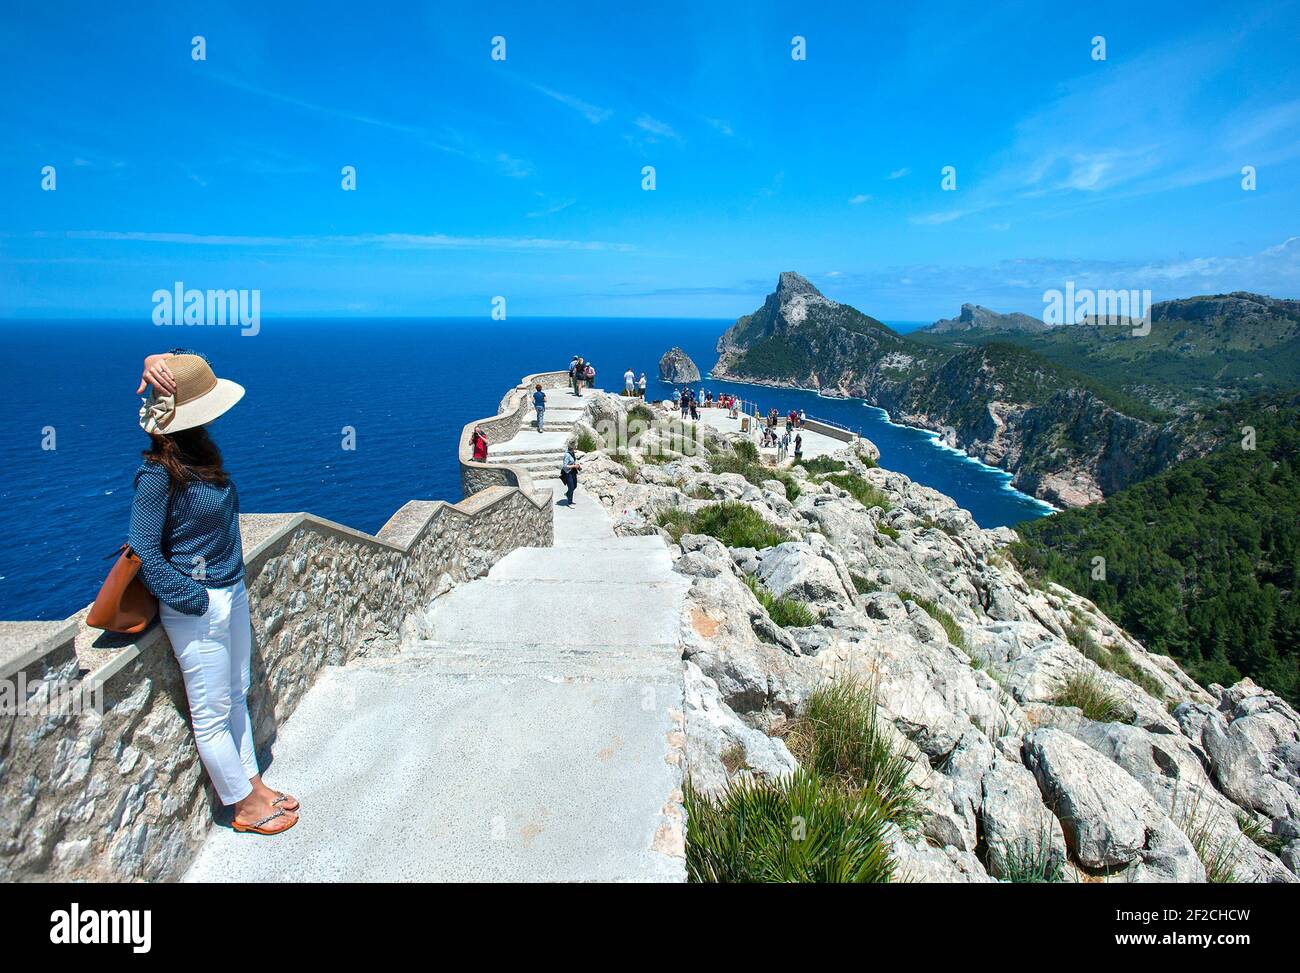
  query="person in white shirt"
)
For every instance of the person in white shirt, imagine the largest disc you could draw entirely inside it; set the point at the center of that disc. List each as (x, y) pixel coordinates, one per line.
(641, 387)
(629, 380)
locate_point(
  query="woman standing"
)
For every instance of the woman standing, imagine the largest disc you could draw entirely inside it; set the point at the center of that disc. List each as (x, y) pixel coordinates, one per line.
(480, 443)
(185, 530)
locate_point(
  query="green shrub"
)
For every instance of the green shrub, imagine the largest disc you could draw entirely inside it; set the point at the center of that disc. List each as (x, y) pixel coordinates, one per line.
(745, 450)
(676, 521)
(585, 442)
(755, 473)
(888, 531)
(736, 524)
(799, 828)
(784, 611)
(1085, 691)
(838, 735)
(641, 413)
(861, 491)
(822, 464)
(954, 631)
(863, 586)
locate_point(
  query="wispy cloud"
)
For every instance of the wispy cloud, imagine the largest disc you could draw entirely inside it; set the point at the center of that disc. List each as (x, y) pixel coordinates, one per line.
(552, 208)
(1131, 129)
(593, 113)
(510, 166)
(656, 128)
(899, 173)
(722, 126)
(391, 241)
(859, 199)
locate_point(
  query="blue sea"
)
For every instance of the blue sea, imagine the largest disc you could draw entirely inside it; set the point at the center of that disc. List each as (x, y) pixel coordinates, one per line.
(406, 386)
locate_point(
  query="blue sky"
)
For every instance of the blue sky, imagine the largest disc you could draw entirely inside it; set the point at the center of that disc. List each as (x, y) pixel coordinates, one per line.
(522, 178)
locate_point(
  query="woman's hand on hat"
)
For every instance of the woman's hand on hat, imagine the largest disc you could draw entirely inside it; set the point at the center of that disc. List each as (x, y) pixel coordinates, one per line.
(157, 374)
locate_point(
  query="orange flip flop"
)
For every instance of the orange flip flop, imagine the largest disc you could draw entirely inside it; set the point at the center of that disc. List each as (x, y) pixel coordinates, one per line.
(281, 797)
(259, 827)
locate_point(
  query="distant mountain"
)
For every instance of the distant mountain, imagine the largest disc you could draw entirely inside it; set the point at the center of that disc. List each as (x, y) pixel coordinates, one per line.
(975, 317)
(799, 337)
(1200, 350)
(1074, 413)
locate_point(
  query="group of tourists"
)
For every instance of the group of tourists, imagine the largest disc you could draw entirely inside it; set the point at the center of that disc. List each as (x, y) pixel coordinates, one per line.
(582, 374)
(632, 385)
(688, 403)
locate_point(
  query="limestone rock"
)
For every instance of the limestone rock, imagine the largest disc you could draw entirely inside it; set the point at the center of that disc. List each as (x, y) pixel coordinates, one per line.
(1110, 823)
(676, 367)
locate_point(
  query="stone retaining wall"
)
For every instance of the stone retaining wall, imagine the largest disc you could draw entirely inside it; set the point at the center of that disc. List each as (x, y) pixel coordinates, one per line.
(116, 791)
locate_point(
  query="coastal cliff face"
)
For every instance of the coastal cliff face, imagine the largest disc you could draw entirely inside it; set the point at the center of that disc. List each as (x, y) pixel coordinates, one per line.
(1000, 403)
(979, 674)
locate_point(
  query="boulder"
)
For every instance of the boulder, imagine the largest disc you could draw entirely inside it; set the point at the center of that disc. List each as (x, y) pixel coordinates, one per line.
(719, 745)
(797, 570)
(1111, 824)
(1019, 831)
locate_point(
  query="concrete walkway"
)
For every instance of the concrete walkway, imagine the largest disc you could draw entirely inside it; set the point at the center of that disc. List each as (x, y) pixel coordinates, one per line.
(814, 443)
(531, 737)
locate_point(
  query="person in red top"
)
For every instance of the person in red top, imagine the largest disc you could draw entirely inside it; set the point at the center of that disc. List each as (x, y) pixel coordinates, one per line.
(480, 445)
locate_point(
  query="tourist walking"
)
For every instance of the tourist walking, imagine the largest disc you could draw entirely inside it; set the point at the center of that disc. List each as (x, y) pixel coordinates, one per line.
(575, 375)
(784, 451)
(590, 374)
(539, 406)
(186, 513)
(684, 400)
(569, 473)
(798, 447)
(803, 417)
(480, 444)
(629, 382)
(641, 387)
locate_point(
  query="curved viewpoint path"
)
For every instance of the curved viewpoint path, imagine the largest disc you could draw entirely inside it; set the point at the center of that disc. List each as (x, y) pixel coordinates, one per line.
(535, 735)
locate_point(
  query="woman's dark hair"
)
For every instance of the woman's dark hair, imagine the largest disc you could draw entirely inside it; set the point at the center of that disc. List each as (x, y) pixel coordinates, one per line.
(187, 455)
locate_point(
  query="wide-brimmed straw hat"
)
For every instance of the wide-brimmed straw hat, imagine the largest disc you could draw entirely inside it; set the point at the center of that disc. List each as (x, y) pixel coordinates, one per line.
(200, 397)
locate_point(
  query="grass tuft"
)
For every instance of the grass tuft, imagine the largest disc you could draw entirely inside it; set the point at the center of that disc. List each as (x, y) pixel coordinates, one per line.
(839, 736)
(953, 630)
(861, 491)
(1085, 691)
(799, 828)
(784, 611)
(734, 523)
(822, 464)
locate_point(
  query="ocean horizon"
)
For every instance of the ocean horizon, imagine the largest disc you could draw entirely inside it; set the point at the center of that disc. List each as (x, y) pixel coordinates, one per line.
(405, 386)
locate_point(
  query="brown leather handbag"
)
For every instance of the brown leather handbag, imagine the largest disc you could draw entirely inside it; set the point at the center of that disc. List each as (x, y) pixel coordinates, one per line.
(123, 604)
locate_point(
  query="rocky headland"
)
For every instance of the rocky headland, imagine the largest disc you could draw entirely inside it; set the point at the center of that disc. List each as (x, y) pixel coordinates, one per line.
(1035, 728)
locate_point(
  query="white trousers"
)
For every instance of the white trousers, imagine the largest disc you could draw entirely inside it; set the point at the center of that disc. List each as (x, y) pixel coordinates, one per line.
(215, 653)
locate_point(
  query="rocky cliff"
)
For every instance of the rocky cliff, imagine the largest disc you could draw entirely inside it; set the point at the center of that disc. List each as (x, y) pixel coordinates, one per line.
(1036, 729)
(677, 367)
(1063, 440)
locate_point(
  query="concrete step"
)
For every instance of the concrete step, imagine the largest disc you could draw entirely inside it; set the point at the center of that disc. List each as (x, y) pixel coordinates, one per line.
(560, 613)
(615, 560)
(526, 456)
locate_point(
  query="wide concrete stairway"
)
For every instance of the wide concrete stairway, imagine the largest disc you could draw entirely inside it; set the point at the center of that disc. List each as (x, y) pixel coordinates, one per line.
(532, 736)
(540, 453)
